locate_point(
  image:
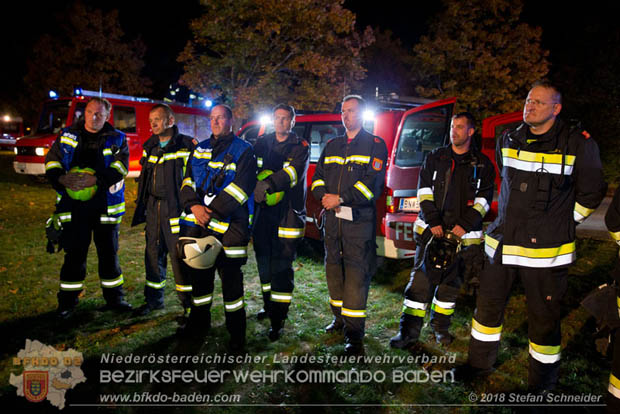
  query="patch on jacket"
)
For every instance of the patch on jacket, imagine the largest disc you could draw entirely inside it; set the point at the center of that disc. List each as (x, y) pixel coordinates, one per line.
(585, 134)
(377, 140)
(377, 164)
(304, 142)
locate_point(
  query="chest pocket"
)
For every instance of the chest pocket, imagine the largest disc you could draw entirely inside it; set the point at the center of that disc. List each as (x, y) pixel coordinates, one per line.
(357, 171)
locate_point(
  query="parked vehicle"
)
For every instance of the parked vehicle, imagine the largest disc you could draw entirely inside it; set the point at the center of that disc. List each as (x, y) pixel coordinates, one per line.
(129, 114)
(11, 128)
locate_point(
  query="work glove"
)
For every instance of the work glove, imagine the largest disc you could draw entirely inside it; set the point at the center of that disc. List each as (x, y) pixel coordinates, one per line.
(260, 190)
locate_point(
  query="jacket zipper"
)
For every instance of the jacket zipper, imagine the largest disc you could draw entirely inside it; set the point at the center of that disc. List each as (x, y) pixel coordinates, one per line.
(346, 152)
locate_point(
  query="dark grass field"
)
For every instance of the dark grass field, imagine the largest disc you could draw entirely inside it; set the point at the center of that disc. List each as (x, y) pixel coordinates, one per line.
(29, 282)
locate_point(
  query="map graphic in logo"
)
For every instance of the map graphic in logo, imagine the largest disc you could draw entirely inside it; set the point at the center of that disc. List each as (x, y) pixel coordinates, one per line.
(47, 373)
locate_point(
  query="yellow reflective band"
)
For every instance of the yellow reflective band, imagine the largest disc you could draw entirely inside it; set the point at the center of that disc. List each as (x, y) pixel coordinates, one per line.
(415, 305)
(71, 286)
(336, 303)
(535, 161)
(188, 182)
(153, 159)
(419, 225)
(485, 333)
(175, 229)
(118, 166)
(220, 164)
(234, 305)
(109, 283)
(117, 208)
(259, 162)
(290, 170)
(445, 308)
(240, 251)
(316, 184)
(52, 164)
(615, 236)
(543, 257)
(547, 354)
(202, 155)
(425, 194)
(481, 206)
(110, 220)
(188, 217)
(174, 221)
(144, 154)
(154, 285)
(414, 312)
(290, 232)
(581, 213)
(352, 313)
(266, 287)
(364, 190)
(236, 192)
(183, 288)
(217, 226)
(107, 151)
(202, 300)
(362, 159)
(471, 238)
(614, 386)
(64, 217)
(334, 160)
(69, 141)
(281, 297)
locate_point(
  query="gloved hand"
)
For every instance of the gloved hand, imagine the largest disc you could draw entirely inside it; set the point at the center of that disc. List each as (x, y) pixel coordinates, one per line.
(260, 190)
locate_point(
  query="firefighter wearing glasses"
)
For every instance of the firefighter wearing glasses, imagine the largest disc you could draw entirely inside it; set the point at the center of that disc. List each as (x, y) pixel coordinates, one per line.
(280, 194)
(217, 195)
(551, 181)
(455, 190)
(348, 179)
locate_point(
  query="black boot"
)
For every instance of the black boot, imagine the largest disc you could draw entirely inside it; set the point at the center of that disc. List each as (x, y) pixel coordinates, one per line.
(409, 332)
(264, 312)
(276, 329)
(197, 326)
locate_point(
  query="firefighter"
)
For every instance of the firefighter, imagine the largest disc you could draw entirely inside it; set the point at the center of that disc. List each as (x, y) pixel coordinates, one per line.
(86, 166)
(348, 179)
(164, 158)
(612, 220)
(455, 190)
(217, 196)
(551, 181)
(280, 195)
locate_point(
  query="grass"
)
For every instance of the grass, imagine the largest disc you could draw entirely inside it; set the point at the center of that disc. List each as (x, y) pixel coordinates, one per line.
(29, 283)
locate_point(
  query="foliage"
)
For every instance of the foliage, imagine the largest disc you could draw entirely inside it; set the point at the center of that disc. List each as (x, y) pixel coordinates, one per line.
(88, 49)
(479, 51)
(303, 52)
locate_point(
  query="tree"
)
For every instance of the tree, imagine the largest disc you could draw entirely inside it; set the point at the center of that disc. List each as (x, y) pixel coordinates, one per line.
(480, 52)
(89, 50)
(250, 53)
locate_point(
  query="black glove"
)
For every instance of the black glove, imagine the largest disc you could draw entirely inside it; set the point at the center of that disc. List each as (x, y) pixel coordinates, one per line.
(260, 190)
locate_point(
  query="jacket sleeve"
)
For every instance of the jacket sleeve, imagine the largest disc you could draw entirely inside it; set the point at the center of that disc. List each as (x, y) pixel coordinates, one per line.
(118, 169)
(612, 217)
(590, 186)
(425, 195)
(319, 187)
(369, 187)
(473, 216)
(290, 175)
(240, 189)
(189, 196)
(53, 166)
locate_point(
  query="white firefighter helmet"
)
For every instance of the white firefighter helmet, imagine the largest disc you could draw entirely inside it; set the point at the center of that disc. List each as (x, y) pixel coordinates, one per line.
(199, 253)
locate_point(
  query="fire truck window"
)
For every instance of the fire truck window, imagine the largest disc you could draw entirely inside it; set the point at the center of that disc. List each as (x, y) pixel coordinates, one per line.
(250, 134)
(203, 128)
(125, 119)
(422, 132)
(319, 135)
(185, 123)
(79, 111)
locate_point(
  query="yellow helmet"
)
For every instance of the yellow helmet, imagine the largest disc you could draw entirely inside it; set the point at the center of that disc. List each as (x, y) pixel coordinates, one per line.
(271, 199)
(84, 194)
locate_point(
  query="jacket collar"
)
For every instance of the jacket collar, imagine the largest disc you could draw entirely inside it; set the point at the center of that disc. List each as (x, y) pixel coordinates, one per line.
(154, 140)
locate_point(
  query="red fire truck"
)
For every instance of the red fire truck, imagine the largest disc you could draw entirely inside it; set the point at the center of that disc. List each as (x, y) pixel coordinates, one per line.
(129, 115)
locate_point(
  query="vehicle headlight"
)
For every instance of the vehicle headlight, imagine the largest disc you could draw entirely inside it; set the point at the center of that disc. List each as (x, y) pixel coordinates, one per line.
(15, 150)
(40, 151)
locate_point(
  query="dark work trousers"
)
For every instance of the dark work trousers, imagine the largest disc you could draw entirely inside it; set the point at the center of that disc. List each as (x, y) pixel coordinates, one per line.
(202, 281)
(442, 287)
(160, 242)
(544, 290)
(613, 397)
(350, 262)
(75, 240)
(274, 259)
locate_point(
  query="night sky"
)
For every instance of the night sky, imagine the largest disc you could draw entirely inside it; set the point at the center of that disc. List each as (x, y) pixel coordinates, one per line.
(568, 29)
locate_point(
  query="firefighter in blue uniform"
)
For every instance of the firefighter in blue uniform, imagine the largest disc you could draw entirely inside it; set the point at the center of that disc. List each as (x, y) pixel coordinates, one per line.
(217, 195)
(348, 179)
(164, 159)
(612, 220)
(455, 190)
(551, 181)
(282, 158)
(86, 166)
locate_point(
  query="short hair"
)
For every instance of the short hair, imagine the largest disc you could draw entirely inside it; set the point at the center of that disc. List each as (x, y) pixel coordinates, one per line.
(545, 83)
(103, 101)
(471, 121)
(227, 110)
(167, 110)
(358, 98)
(286, 107)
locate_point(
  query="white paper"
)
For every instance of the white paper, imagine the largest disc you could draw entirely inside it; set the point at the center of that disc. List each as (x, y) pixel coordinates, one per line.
(345, 213)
